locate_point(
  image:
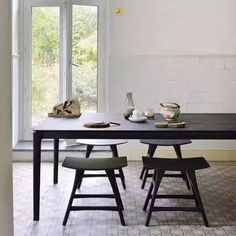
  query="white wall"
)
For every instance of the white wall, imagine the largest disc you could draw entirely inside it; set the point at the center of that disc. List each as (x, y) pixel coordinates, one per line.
(6, 205)
(173, 27)
(182, 51)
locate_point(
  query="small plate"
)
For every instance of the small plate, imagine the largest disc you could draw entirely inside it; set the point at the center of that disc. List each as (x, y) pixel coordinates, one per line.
(140, 119)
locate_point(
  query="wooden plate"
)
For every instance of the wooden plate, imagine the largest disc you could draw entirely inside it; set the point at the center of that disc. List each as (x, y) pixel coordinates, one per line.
(63, 115)
(177, 125)
(170, 125)
(161, 124)
(97, 124)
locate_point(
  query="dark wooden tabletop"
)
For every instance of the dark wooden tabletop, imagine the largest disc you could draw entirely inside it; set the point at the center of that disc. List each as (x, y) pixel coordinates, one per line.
(198, 126)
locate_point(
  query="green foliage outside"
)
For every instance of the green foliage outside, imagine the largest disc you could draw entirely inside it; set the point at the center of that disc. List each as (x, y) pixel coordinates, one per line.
(84, 56)
(45, 58)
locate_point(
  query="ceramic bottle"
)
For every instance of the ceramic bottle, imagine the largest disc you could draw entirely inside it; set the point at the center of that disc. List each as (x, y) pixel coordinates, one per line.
(129, 105)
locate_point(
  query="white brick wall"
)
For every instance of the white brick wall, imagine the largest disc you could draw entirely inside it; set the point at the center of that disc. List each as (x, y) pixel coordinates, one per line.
(230, 63)
(197, 83)
(211, 63)
(199, 107)
(182, 51)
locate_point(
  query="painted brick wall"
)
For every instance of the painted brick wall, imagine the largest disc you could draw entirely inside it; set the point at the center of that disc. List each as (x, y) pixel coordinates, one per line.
(197, 83)
(182, 51)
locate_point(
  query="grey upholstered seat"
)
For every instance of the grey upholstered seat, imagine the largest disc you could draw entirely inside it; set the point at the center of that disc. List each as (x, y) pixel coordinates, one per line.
(166, 142)
(101, 142)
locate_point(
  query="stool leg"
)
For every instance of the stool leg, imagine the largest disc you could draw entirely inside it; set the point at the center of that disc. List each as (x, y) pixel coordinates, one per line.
(112, 179)
(143, 170)
(87, 155)
(149, 192)
(179, 155)
(78, 176)
(88, 150)
(193, 180)
(152, 149)
(158, 179)
(121, 173)
(142, 173)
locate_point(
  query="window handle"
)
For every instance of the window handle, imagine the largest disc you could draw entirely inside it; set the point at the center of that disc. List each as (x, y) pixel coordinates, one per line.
(74, 65)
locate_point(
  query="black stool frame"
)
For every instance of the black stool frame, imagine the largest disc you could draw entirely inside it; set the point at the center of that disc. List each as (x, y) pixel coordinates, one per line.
(145, 171)
(115, 154)
(159, 173)
(119, 205)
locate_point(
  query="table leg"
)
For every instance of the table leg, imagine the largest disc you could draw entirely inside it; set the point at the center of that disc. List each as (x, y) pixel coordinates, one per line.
(36, 173)
(55, 162)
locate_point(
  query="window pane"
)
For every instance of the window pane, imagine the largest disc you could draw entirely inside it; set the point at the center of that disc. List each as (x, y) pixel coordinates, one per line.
(84, 56)
(45, 61)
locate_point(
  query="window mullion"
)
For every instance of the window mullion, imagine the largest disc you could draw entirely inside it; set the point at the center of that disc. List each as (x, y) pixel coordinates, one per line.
(62, 54)
(27, 72)
(67, 54)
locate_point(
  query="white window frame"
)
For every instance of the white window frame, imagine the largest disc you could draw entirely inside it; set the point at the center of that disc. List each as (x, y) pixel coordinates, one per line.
(65, 62)
(101, 50)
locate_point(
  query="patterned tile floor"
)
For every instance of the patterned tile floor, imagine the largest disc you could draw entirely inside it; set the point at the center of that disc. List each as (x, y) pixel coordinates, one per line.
(217, 187)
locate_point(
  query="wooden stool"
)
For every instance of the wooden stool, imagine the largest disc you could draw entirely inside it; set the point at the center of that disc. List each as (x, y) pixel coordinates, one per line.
(107, 164)
(188, 165)
(103, 142)
(152, 146)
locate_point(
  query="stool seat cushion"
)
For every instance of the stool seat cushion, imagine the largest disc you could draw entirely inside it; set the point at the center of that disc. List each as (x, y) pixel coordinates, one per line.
(101, 142)
(166, 142)
(173, 164)
(95, 163)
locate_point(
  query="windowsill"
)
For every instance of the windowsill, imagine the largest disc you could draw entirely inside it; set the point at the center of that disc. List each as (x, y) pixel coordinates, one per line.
(48, 146)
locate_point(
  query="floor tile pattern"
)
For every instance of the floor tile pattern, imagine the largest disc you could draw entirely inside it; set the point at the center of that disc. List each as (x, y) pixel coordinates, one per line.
(217, 187)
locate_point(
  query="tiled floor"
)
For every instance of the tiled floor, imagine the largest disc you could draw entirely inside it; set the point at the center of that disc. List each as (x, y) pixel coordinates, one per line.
(217, 186)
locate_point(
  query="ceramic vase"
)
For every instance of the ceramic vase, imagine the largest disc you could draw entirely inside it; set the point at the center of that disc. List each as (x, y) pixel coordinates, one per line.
(129, 105)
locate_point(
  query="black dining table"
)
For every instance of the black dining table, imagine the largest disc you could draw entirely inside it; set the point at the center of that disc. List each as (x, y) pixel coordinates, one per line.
(198, 126)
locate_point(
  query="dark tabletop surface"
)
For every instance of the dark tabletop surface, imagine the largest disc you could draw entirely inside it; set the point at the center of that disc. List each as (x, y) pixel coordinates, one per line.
(194, 122)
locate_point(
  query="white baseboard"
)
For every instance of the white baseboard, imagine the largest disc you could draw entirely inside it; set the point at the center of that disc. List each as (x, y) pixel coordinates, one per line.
(133, 155)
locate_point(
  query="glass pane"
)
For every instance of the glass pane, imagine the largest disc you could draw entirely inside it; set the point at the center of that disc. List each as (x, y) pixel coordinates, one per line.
(45, 61)
(84, 56)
